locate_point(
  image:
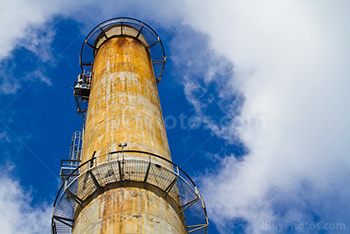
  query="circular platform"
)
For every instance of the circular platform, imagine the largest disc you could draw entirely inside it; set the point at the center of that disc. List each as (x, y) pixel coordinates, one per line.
(129, 27)
(128, 166)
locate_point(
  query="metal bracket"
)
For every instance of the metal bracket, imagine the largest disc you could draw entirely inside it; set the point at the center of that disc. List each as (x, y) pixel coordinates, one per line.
(120, 170)
(150, 46)
(167, 190)
(91, 163)
(87, 64)
(121, 26)
(159, 61)
(190, 203)
(138, 34)
(94, 47)
(62, 220)
(104, 33)
(147, 171)
(197, 227)
(75, 198)
(123, 145)
(95, 181)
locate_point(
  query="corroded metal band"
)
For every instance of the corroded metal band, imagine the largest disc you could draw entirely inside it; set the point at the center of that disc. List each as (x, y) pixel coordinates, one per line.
(128, 166)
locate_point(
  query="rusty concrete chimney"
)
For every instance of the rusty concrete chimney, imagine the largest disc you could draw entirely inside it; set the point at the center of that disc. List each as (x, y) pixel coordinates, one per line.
(122, 178)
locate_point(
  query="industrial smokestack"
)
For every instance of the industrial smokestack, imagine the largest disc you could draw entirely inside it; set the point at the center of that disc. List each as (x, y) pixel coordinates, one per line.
(124, 181)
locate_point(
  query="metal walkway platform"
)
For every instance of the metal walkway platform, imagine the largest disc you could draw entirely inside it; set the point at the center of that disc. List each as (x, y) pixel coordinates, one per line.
(133, 166)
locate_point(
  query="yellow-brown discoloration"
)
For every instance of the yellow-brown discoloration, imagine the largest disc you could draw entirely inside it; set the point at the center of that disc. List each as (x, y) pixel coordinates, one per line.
(124, 107)
(130, 209)
(124, 104)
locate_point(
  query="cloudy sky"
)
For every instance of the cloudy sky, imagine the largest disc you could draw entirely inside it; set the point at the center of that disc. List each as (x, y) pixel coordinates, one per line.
(255, 98)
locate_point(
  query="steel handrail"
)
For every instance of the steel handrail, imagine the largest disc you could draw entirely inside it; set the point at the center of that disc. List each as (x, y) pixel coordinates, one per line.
(76, 175)
(143, 24)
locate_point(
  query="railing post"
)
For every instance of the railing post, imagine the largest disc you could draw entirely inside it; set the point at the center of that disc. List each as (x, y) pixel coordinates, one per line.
(120, 169)
(147, 171)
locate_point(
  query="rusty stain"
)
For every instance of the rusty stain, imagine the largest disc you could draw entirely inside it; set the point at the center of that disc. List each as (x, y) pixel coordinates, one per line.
(124, 107)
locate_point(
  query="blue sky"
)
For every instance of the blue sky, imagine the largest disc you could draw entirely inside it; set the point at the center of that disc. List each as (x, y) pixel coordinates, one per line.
(255, 98)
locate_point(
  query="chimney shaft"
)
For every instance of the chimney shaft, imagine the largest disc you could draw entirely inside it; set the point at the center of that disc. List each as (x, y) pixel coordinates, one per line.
(124, 181)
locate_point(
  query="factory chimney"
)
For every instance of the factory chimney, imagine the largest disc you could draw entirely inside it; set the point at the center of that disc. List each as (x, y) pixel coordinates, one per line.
(120, 177)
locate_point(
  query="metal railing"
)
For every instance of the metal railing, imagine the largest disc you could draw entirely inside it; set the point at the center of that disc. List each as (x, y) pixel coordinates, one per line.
(128, 165)
(68, 168)
(150, 40)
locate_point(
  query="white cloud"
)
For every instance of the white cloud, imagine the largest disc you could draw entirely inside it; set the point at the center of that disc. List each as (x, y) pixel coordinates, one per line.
(27, 24)
(4, 137)
(23, 19)
(290, 64)
(17, 215)
(11, 83)
(38, 40)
